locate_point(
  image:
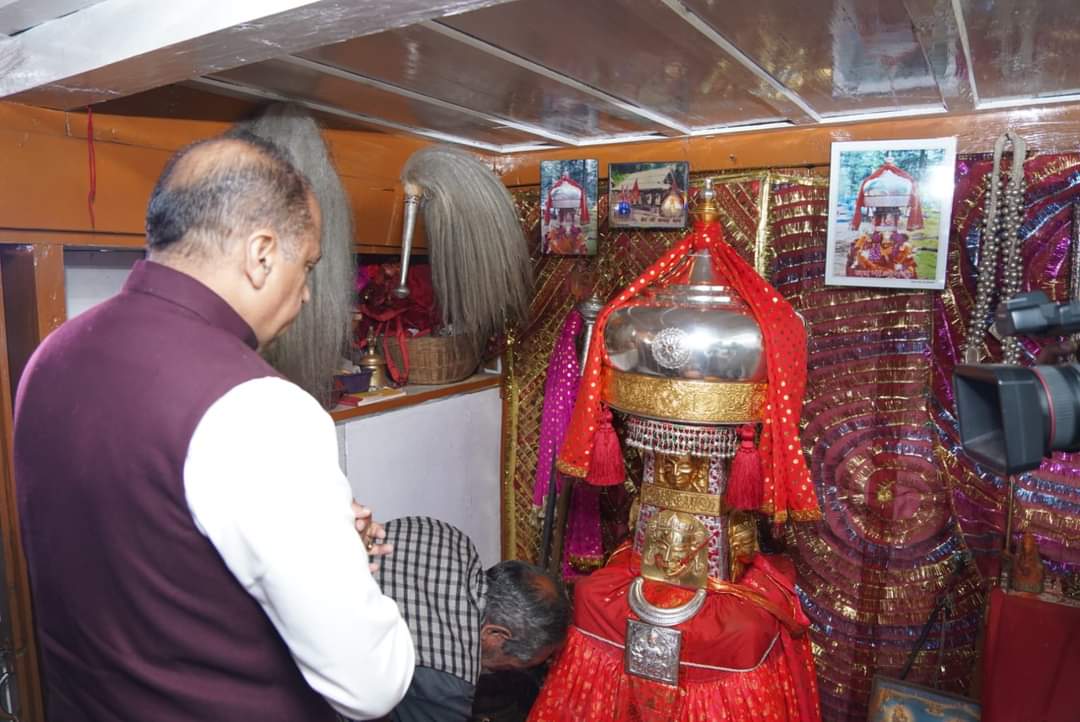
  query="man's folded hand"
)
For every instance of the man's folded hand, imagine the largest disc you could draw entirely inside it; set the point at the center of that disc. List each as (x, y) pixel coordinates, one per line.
(372, 533)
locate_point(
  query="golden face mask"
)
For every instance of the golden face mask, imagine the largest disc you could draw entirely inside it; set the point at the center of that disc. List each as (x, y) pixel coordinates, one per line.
(742, 540)
(683, 472)
(676, 550)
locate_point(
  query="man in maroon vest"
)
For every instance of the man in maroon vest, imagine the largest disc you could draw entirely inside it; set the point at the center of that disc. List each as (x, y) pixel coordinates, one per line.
(192, 550)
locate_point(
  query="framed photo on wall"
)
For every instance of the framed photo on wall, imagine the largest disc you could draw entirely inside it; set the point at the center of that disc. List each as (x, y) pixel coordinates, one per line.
(893, 700)
(890, 210)
(568, 196)
(647, 195)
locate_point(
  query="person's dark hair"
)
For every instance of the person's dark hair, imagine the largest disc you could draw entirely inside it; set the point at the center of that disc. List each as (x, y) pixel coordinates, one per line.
(530, 603)
(208, 195)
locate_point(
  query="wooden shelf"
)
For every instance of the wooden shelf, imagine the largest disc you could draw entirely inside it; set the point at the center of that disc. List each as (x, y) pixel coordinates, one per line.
(419, 394)
(137, 241)
(73, 239)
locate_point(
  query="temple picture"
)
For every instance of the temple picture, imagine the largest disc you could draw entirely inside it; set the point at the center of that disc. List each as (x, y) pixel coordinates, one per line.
(568, 190)
(647, 195)
(893, 700)
(889, 211)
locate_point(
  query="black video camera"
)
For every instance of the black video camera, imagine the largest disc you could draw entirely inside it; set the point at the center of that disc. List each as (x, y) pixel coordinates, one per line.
(1012, 417)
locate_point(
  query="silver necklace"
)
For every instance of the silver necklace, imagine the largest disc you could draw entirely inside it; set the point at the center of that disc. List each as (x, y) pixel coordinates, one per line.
(999, 220)
(662, 617)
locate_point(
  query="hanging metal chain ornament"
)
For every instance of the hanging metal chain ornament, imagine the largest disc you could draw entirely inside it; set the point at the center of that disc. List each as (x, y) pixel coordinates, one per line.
(999, 220)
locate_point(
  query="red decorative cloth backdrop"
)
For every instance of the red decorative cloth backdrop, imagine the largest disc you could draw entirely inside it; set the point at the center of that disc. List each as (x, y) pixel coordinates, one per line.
(1049, 498)
(870, 573)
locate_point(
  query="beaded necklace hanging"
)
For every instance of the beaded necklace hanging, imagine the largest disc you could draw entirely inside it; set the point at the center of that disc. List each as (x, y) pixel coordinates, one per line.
(1004, 220)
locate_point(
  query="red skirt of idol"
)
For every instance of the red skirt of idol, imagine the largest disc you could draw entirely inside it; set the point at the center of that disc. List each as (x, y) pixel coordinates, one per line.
(744, 655)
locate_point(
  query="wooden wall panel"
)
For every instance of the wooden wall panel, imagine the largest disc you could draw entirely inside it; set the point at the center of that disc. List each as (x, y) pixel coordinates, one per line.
(45, 183)
(45, 179)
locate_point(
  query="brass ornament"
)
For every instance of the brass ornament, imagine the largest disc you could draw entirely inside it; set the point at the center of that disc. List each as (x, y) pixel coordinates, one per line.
(689, 502)
(634, 513)
(374, 361)
(742, 540)
(683, 472)
(676, 550)
(705, 208)
(714, 402)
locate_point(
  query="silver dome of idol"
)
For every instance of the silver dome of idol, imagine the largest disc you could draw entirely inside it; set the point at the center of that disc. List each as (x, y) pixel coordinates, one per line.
(701, 330)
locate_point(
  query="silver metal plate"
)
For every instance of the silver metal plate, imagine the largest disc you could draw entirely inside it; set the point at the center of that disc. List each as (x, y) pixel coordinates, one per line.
(652, 652)
(670, 348)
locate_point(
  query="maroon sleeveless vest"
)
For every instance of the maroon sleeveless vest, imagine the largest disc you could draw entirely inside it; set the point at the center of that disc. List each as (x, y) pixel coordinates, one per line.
(138, 618)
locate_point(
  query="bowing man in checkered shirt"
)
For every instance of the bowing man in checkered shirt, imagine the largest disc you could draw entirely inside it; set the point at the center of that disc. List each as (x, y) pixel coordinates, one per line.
(464, 620)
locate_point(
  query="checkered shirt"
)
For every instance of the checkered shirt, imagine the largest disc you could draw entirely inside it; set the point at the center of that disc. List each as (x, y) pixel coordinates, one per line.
(436, 577)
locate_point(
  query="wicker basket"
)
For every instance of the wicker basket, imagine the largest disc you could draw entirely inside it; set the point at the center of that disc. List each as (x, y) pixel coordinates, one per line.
(435, 359)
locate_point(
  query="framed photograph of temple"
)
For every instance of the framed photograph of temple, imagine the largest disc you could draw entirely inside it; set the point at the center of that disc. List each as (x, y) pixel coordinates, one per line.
(893, 700)
(568, 195)
(647, 195)
(890, 208)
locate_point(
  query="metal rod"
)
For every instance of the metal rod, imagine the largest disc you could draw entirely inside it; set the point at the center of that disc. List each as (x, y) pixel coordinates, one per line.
(1006, 552)
(412, 204)
(562, 513)
(589, 309)
(549, 514)
(1074, 271)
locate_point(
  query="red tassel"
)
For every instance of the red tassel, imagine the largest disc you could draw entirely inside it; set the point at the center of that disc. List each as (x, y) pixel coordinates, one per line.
(606, 467)
(744, 487)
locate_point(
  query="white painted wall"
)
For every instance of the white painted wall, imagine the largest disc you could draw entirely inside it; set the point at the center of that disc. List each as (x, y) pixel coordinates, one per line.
(90, 277)
(437, 459)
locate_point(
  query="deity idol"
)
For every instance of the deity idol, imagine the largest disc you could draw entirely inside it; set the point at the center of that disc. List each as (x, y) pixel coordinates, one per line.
(687, 621)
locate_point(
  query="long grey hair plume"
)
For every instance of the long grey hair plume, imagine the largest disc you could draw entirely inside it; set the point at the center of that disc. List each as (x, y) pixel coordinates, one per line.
(480, 266)
(311, 349)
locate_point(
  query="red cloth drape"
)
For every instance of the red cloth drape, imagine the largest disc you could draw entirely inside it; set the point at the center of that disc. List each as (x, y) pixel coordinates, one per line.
(776, 683)
(915, 218)
(1031, 661)
(787, 487)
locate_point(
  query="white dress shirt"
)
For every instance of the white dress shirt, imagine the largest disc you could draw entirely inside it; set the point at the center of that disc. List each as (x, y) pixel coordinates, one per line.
(263, 484)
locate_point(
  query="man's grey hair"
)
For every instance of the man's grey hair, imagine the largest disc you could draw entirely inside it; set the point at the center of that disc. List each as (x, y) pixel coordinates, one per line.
(529, 602)
(204, 201)
(310, 351)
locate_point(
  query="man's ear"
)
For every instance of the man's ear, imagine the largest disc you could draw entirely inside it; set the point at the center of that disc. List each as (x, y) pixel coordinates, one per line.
(260, 255)
(494, 635)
